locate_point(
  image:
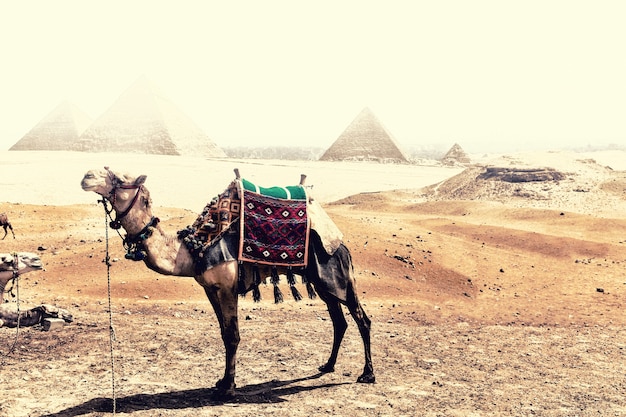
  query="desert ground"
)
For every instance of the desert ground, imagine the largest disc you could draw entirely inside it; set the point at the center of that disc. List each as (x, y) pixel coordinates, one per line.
(488, 296)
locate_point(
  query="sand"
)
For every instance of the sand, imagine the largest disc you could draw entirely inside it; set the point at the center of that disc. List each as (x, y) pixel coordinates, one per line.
(496, 306)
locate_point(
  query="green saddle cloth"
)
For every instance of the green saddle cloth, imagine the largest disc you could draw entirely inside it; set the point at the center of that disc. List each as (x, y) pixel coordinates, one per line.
(292, 192)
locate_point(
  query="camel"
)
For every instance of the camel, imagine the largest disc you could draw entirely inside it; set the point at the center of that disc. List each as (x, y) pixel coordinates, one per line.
(6, 224)
(16, 264)
(166, 254)
(33, 316)
(12, 266)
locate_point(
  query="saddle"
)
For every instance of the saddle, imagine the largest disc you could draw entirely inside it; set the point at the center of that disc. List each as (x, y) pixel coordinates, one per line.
(273, 223)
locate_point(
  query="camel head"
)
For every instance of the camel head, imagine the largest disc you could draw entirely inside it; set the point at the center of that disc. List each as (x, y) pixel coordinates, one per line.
(124, 192)
(14, 264)
(20, 262)
(107, 183)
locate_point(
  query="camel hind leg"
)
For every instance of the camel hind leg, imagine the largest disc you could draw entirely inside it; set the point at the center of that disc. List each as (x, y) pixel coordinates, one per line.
(339, 329)
(332, 277)
(365, 325)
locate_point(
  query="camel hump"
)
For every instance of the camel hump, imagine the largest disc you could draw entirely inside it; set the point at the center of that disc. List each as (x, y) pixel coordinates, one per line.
(329, 233)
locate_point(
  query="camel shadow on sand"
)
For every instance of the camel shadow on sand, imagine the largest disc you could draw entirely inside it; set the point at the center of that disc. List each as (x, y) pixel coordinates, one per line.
(267, 392)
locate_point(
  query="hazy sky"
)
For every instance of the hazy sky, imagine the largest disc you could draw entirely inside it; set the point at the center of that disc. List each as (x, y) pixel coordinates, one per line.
(524, 74)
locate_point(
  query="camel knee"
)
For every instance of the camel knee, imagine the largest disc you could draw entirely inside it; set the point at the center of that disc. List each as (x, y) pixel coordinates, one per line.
(231, 338)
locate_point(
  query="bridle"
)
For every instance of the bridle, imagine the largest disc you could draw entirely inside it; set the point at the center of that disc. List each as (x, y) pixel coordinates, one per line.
(133, 244)
(112, 198)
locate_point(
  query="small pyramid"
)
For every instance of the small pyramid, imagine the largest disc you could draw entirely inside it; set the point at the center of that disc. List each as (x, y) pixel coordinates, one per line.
(365, 139)
(58, 131)
(455, 156)
(143, 120)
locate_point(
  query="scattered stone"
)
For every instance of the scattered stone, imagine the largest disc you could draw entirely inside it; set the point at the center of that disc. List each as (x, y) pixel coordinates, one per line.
(52, 324)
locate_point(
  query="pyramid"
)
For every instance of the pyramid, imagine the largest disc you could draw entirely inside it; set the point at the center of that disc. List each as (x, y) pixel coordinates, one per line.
(58, 131)
(142, 120)
(456, 155)
(365, 139)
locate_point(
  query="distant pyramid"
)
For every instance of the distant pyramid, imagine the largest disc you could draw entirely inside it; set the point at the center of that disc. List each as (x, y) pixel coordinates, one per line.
(58, 131)
(365, 139)
(455, 156)
(142, 120)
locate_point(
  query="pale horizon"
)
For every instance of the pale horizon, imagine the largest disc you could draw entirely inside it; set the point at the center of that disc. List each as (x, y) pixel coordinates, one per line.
(485, 74)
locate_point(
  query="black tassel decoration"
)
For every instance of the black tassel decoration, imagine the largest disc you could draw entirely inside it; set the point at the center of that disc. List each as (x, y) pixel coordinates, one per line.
(256, 293)
(309, 288)
(291, 279)
(311, 291)
(278, 295)
(295, 293)
(275, 278)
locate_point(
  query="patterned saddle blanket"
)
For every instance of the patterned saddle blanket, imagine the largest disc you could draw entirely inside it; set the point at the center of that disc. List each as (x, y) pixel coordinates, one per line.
(274, 226)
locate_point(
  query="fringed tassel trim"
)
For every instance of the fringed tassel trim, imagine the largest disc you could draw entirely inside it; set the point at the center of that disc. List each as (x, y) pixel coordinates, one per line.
(291, 279)
(278, 295)
(309, 287)
(310, 291)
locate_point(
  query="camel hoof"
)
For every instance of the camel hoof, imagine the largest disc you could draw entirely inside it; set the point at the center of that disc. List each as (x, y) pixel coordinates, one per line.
(224, 391)
(223, 396)
(326, 368)
(366, 379)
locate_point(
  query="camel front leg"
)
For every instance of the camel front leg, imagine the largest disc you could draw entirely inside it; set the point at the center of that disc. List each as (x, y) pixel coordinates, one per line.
(224, 302)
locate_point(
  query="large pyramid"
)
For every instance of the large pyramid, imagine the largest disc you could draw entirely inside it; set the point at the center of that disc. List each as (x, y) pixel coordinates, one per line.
(58, 131)
(456, 156)
(365, 139)
(142, 120)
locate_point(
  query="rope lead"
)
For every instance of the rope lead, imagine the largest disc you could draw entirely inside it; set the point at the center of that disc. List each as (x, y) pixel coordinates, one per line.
(15, 285)
(111, 328)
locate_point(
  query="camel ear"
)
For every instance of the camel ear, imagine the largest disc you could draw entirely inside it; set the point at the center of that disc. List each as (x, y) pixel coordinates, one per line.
(141, 179)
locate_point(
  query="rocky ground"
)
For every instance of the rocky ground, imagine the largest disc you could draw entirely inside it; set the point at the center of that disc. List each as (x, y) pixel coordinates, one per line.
(480, 307)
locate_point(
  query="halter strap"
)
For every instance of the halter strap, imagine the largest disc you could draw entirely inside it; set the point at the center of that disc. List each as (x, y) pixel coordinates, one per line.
(117, 184)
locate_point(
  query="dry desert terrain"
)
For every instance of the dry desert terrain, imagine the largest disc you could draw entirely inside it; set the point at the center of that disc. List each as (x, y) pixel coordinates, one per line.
(491, 292)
